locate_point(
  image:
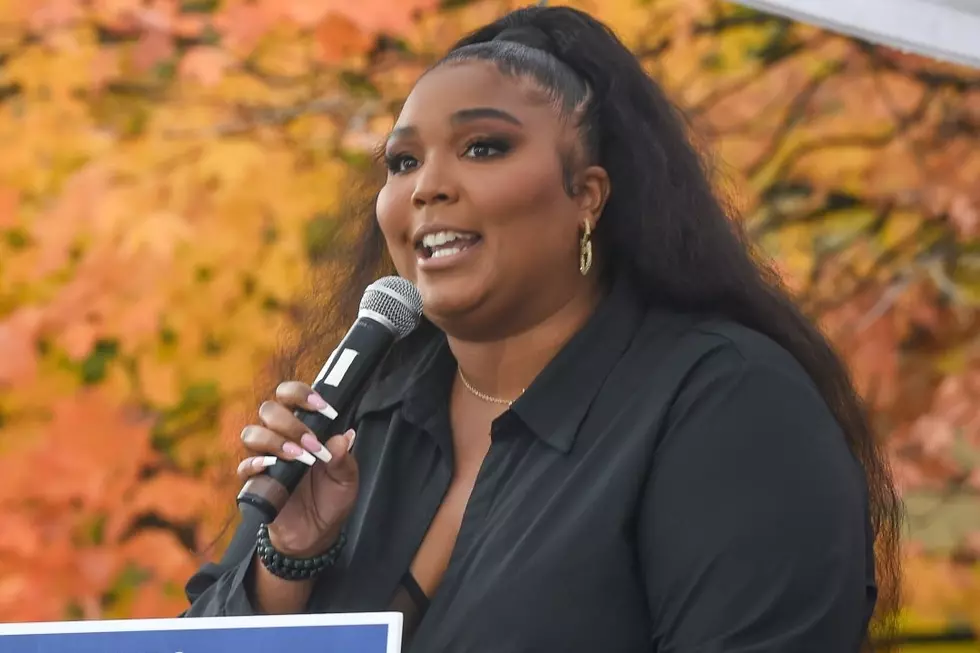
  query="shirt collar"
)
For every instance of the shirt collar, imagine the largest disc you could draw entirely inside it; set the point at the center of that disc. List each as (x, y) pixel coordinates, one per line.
(554, 405)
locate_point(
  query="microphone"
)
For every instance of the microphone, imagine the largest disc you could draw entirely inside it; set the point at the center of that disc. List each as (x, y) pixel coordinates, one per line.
(390, 309)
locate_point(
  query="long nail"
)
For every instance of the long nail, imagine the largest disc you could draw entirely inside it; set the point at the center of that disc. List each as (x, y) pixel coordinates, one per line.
(313, 445)
(350, 435)
(316, 401)
(296, 452)
(321, 406)
(261, 462)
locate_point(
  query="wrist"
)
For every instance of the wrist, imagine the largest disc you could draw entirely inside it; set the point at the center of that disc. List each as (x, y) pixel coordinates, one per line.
(301, 547)
(292, 567)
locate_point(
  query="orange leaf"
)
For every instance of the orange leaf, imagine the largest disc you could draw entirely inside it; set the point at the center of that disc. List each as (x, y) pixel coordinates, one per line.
(105, 68)
(205, 65)
(375, 16)
(18, 357)
(242, 25)
(9, 204)
(160, 553)
(337, 37)
(50, 15)
(78, 338)
(305, 13)
(153, 47)
(151, 602)
(175, 498)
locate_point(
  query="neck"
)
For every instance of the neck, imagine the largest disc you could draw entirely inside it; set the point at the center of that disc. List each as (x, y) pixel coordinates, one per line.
(504, 368)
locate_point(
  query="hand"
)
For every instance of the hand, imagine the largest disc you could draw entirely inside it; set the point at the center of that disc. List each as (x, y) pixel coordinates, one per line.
(311, 519)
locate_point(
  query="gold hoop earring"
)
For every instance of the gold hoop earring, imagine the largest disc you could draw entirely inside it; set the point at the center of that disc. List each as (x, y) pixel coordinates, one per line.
(585, 250)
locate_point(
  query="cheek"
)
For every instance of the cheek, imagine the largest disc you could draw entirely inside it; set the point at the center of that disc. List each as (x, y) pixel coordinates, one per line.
(528, 210)
(393, 209)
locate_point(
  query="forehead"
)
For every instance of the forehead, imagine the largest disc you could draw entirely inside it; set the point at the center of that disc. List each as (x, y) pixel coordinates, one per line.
(457, 86)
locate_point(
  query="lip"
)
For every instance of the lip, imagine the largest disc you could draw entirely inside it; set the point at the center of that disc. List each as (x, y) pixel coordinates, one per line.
(447, 262)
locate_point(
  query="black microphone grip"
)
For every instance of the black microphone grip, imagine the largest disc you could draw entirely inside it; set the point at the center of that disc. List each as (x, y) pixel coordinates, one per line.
(339, 382)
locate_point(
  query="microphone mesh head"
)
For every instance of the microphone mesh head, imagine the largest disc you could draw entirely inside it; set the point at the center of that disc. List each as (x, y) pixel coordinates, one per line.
(397, 300)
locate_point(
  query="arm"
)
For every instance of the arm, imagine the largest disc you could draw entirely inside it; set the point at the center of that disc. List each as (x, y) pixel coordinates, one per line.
(244, 590)
(308, 523)
(217, 592)
(753, 526)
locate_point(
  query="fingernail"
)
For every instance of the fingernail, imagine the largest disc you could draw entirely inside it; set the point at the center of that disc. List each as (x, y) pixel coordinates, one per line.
(350, 435)
(316, 401)
(321, 406)
(296, 452)
(261, 462)
(314, 447)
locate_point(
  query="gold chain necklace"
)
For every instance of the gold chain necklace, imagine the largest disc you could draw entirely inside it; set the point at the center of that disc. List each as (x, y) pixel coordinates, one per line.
(482, 395)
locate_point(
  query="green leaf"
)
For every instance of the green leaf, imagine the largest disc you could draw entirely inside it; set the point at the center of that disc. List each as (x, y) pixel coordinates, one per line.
(93, 368)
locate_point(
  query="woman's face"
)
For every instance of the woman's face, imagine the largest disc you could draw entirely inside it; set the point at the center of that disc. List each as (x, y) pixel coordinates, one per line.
(474, 210)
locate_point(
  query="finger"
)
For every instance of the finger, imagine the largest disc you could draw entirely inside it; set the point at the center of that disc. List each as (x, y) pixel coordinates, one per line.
(262, 440)
(340, 464)
(343, 466)
(253, 465)
(296, 394)
(280, 419)
(318, 449)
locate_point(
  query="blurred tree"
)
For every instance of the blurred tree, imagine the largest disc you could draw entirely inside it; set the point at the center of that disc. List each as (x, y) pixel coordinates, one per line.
(171, 171)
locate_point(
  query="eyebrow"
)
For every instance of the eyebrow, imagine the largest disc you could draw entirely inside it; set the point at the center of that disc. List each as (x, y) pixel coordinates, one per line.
(460, 117)
(467, 115)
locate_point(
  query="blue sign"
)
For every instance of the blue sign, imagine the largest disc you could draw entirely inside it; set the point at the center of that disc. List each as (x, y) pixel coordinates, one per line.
(377, 632)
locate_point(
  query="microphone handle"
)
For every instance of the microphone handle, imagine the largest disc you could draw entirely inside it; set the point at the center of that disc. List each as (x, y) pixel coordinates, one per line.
(340, 380)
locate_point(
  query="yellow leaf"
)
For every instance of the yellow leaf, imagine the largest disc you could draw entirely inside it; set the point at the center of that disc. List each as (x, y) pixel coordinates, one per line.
(229, 161)
(159, 381)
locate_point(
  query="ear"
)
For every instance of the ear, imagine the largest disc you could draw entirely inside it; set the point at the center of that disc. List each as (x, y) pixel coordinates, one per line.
(593, 192)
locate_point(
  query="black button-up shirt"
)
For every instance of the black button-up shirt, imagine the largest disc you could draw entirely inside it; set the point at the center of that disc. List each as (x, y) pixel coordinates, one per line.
(668, 483)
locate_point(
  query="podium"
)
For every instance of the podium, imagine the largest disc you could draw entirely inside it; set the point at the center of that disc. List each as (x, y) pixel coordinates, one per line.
(369, 632)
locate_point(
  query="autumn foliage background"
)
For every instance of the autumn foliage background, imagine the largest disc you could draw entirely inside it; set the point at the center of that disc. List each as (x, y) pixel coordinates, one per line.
(171, 170)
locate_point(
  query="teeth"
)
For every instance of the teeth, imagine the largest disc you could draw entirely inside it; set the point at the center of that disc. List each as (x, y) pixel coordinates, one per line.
(443, 237)
(448, 251)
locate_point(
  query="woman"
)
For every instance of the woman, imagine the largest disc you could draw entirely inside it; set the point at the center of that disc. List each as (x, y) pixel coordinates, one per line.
(612, 432)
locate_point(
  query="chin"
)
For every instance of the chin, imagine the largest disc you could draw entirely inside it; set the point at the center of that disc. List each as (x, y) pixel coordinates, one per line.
(448, 300)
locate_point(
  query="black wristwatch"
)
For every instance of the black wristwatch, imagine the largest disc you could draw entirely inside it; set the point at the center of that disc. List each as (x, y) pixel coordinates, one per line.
(289, 568)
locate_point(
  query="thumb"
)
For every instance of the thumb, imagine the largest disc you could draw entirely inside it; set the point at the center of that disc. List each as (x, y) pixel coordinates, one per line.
(342, 467)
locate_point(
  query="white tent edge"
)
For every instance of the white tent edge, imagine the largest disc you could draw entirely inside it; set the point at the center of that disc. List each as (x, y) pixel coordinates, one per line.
(924, 27)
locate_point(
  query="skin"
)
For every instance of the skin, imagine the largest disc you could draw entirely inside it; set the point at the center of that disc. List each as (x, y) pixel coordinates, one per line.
(474, 151)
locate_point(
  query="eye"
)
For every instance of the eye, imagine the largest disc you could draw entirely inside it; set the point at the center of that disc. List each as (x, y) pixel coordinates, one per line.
(486, 148)
(400, 163)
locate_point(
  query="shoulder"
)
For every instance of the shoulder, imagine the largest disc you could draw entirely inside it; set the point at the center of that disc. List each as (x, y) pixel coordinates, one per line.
(716, 364)
(740, 392)
(696, 346)
(745, 402)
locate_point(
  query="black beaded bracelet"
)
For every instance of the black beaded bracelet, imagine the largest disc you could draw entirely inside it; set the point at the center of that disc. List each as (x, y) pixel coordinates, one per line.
(289, 568)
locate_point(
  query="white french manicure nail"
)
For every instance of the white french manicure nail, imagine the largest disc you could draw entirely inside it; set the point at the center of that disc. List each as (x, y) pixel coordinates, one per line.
(267, 461)
(323, 454)
(325, 409)
(329, 412)
(306, 458)
(350, 443)
(311, 444)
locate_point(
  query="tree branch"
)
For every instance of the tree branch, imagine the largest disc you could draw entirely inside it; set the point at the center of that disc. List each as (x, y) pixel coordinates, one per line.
(794, 113)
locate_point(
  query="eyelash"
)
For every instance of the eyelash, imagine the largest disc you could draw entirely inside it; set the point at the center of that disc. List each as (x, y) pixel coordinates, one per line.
(394, 161)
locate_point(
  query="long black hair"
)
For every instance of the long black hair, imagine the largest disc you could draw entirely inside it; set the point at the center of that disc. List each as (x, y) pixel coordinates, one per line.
(663, 224)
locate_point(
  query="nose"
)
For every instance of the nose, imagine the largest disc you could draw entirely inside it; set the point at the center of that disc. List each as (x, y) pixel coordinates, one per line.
(433, 185)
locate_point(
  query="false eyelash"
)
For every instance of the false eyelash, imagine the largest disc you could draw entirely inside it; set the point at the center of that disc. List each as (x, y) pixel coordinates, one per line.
(501, 144)
(391, 161)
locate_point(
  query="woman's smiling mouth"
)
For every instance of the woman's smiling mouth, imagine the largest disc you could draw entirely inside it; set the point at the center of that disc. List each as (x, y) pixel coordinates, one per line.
(443, 248)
